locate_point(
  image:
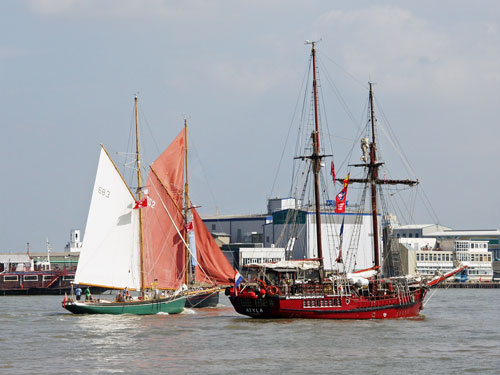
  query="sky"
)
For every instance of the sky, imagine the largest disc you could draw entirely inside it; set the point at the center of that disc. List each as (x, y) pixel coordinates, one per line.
(234, 69)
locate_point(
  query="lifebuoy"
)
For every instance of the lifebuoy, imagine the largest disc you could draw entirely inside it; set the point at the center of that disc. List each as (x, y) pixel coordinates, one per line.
(272, 290)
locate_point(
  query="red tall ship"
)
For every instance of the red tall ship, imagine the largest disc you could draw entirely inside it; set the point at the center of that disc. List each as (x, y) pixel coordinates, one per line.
(304, 288)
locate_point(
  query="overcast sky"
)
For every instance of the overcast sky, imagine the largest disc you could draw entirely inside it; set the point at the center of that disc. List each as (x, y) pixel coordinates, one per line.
(70, 69)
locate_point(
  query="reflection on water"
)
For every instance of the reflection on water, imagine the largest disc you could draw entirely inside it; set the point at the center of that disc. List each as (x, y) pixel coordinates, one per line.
(457, 332)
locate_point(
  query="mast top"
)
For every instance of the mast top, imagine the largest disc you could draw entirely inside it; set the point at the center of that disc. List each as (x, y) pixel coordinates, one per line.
(313, 42)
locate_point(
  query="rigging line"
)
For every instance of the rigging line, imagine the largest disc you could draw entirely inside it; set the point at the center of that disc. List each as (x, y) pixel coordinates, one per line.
(430, 206)
(321, 109)
(432, 295)
(350, 258)
(306, 183)
(363, 85)
(175, 226)
(145, 121)
(340, 98)
(389, 132)
(328, 133)
(331, 134)
(402, 217)
(409, 213)
(199, 159)
(413, 200)
(398, 150)
(361, 130)
(410, 205)
(179, 209)
(128, 174)
(323, 117)
(305, 120)
(390, 256)
(288, 133)
(128, 170)
(290, 221)
(348, 157)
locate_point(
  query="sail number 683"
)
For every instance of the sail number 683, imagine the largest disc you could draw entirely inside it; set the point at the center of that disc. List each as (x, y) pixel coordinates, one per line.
(103, 191)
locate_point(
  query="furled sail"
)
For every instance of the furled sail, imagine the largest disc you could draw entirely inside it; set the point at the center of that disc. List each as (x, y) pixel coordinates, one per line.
(163, 248)
(110, 252)
(213, 266)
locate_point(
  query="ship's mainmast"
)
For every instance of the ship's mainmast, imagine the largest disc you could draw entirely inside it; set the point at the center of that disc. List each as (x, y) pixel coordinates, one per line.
(373, 176)
(187, 277)
(373, 166)
(139, 187)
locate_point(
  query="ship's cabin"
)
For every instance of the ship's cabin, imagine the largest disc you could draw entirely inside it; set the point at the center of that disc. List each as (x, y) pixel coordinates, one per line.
(283, 272)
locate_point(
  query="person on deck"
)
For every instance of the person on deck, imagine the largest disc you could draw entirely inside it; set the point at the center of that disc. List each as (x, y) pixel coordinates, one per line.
(78, 293)
(88, 296)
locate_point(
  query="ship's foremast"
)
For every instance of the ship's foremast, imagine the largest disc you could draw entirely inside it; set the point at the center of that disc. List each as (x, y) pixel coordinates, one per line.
(373, 176)
(316, 159)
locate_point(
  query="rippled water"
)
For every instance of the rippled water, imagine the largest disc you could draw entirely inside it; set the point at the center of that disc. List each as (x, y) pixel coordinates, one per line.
(458, 332)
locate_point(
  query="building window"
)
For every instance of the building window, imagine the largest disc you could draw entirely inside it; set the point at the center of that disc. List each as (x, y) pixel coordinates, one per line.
(213, 227)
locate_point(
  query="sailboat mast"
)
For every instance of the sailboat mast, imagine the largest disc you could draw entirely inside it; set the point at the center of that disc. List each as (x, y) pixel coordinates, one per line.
(373, 182)
(316, 159)
(139, 188)
(186, 204)
(373, 166)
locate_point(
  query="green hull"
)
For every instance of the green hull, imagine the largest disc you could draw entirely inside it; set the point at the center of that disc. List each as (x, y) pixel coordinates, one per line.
(170, 306)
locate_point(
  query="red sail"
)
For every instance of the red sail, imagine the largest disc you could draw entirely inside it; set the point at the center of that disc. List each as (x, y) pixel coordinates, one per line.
(163, 248)
(213, 266)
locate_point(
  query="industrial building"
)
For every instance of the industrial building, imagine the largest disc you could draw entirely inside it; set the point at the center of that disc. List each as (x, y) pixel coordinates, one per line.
(284, 221)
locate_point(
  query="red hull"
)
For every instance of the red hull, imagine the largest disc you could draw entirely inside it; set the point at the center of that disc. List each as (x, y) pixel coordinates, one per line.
(330, 307)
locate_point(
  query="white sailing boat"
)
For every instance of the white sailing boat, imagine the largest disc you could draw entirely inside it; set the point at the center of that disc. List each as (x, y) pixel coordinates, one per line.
(126, 248)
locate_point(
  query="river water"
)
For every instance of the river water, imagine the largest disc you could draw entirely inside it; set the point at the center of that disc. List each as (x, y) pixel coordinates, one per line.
(457, 332)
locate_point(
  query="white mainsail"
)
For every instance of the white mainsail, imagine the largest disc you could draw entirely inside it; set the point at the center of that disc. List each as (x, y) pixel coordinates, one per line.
(110, 254)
